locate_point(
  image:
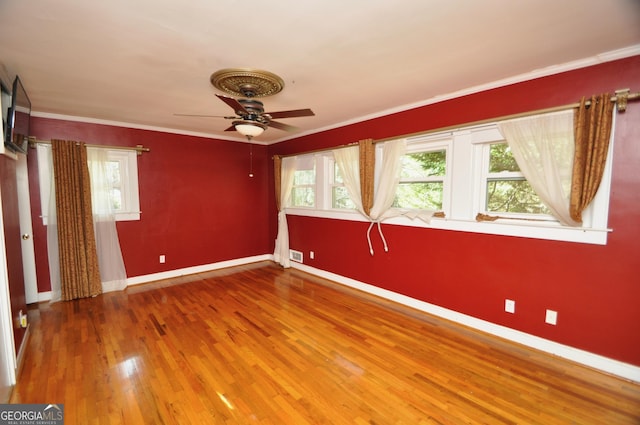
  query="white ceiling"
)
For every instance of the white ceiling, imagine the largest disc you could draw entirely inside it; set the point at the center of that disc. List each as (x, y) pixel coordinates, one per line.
(139, 62)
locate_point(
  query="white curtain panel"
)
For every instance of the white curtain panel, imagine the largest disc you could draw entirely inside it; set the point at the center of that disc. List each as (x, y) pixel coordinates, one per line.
(543, 147)
(385, 192)
(348, 162)
(281, 253)
(45, 162)
(392, 153)
(112, 271)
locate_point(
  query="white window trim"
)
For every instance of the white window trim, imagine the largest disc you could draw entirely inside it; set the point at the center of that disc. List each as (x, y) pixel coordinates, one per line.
(431, 143)
(465, 153)
(130, 178)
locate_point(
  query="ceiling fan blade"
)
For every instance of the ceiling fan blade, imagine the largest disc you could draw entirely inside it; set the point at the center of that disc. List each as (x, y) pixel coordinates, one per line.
(234, 104)
(291, 114)
(204, 116)
(282, 126)
(232, 128)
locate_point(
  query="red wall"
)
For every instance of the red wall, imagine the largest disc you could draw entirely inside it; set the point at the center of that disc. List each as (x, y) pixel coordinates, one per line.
(198, 203)
(13, 243)
(595, 289)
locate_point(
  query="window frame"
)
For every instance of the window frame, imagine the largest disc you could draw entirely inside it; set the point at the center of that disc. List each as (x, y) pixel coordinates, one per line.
(425, 144)
(486, 176)
(129, 187)
(332, 168)
(306, 160)
(464, 193)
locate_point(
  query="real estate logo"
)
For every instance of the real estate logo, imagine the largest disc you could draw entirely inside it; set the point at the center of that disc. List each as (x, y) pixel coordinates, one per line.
(31, 414)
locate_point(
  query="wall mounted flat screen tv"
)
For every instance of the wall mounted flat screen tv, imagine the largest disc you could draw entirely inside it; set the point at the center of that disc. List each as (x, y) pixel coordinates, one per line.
(16, 126)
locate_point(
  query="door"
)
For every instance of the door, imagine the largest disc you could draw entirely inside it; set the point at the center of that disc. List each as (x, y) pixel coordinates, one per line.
(26, 232)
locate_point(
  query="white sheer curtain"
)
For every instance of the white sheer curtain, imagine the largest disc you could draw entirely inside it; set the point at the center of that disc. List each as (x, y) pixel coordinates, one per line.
(543, 147)
(348, 162)
(281, 253)
(385, 192)
(45, 165)
(112, 271)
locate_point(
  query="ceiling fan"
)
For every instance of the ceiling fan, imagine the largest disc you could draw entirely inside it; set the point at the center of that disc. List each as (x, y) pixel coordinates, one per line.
(250, 119)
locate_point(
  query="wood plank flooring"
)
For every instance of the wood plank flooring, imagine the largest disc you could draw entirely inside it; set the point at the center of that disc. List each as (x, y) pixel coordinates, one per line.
(257, 344)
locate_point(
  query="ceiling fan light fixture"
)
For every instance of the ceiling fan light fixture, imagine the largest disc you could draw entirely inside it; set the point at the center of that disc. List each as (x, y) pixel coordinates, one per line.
(249, 128)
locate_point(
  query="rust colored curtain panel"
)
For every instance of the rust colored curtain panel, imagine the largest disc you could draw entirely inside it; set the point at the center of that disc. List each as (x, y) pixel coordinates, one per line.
(367, 165)
(79, 272)
(592, 135)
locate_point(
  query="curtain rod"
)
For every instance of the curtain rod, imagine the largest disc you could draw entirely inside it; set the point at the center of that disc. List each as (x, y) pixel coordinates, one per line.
(620, 98)
(138, 148)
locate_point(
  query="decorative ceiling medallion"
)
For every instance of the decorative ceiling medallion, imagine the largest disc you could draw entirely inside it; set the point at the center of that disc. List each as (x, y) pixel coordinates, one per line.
(246, 82)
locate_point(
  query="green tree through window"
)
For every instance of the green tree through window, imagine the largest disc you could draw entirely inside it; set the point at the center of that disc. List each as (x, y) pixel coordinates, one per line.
(422, 181)
(507, 189)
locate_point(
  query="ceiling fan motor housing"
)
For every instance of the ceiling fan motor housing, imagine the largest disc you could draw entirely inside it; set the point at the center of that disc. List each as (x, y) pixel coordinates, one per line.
(255, 110)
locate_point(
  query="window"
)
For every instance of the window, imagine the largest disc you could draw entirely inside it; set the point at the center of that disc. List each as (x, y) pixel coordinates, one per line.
(507, 190)
(422, 179)
(122, 170)
(304, 183)
(463, 173)
(339, 195)
(114, 176)
(122, 173)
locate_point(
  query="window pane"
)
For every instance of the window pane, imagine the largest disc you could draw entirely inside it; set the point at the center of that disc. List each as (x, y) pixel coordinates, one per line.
(337, 177)
(113, 172)
(416, 166)
(303, 197)
(116, 199)
(515, 196)
(501, 159)
(427, 196)
(340, 198)
(302, 177)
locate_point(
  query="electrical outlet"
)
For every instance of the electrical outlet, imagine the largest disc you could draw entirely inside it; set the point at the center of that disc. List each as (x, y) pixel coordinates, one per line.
(510, 306)
(551, 317)
(162, 259)
(312, 255)
(22, 319)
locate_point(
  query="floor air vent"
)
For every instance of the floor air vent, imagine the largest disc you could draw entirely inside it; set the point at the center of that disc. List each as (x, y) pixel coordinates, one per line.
(295, 255)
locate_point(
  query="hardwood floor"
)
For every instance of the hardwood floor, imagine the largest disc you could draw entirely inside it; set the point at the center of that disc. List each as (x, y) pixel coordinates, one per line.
(261, 345)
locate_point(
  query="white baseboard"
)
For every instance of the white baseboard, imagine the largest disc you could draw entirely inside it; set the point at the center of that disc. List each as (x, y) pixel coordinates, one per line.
(605, 364)
(136, 280)
(44, 296)
(22, 350)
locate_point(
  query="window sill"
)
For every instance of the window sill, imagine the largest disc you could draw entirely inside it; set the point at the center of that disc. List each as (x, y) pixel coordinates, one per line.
(128, 216)
(530, 230)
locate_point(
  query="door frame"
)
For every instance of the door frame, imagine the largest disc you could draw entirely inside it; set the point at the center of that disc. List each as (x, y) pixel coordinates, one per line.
(7, 344)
